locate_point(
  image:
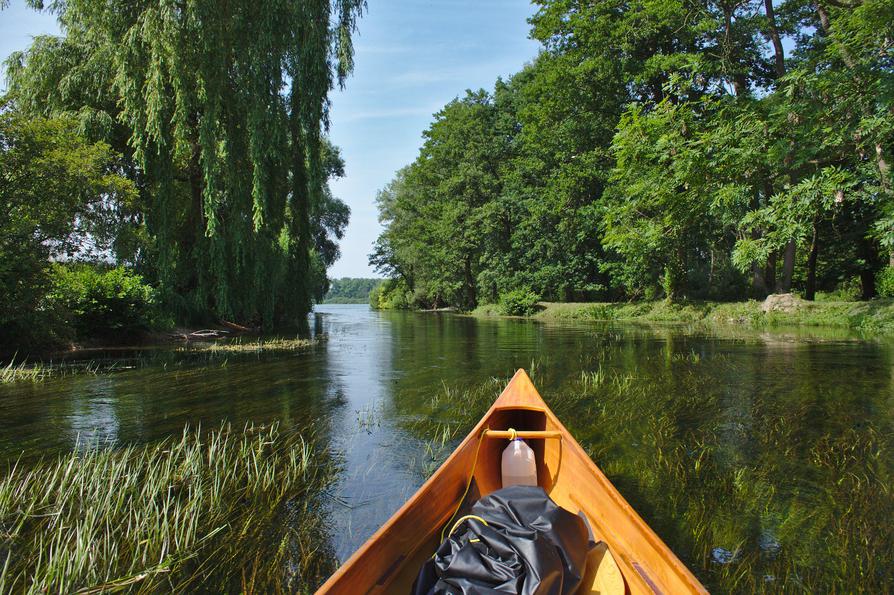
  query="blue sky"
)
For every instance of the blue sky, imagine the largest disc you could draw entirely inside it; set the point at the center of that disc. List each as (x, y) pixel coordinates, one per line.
(412, 57)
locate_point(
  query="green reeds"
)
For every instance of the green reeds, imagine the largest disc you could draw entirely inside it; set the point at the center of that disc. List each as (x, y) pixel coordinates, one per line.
(221, 511)
(39, 372)
(272, 345)
(14, 372)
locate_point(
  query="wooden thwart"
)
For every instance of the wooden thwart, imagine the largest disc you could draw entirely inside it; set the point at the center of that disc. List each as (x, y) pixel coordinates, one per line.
(524, 434)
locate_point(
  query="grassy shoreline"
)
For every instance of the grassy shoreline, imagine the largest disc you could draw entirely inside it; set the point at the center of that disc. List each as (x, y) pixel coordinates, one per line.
(876, 316)
(39, 370)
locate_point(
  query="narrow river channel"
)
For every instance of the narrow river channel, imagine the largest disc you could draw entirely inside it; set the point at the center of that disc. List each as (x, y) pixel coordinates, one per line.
(764, 459)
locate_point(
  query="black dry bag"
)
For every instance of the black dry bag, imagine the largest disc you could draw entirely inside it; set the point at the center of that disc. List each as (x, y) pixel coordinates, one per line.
(515, 540)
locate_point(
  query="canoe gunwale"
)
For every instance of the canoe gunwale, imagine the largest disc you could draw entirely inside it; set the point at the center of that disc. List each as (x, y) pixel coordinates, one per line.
(402, 536)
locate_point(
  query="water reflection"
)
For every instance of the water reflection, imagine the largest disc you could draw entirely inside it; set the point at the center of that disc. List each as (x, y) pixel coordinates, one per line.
(762, 458)
(93, 419)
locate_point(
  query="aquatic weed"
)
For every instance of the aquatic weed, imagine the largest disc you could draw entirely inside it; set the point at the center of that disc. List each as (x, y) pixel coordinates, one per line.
(170, 516)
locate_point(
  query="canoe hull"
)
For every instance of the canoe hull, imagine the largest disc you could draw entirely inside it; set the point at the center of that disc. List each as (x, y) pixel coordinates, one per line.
(389, 560)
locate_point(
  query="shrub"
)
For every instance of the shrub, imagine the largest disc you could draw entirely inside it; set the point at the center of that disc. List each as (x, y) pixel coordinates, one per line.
(884, 282)
(374, 295)
(519, 302)
(391, 294)
(104, 303)
(848, 290)
(56, 190)
(601, 312)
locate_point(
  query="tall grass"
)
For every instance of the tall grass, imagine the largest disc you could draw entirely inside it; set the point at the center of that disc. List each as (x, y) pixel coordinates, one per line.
(17, 372)
(220, 511)
(259, 345)
(39, 371)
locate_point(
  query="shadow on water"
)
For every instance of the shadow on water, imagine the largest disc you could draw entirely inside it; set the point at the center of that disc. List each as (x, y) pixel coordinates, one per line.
(763, 458)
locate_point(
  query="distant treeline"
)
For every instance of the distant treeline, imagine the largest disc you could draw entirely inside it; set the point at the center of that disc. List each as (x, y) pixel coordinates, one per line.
(658, 149)
(350, 290)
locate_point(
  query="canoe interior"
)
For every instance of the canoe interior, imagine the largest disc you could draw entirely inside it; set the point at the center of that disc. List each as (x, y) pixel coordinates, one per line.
(390, 560)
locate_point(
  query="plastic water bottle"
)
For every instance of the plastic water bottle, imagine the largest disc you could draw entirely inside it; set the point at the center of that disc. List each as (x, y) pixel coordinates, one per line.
(519, 467)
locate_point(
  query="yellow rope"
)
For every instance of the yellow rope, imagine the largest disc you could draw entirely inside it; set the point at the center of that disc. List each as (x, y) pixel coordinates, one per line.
(512, 436)
(465, 518)
(468, 484)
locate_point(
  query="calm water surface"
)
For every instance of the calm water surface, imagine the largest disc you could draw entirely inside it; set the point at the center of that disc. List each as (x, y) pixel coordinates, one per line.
(764, 459)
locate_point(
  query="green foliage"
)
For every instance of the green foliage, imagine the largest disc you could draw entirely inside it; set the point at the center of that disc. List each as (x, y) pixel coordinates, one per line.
(348, 290)
(113, 303)
(884, 282)
(218, 113)
(658, 149)
(790, 216)
(873, 316)
(519, 302)
(391, 294)
(56, 191)
(601, 312)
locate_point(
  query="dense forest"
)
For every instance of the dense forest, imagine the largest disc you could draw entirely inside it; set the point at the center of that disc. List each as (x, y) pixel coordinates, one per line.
(350, 290)
(696, 149)
(170, 161)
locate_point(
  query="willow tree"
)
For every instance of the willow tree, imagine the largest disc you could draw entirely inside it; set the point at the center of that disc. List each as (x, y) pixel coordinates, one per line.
(225, 105)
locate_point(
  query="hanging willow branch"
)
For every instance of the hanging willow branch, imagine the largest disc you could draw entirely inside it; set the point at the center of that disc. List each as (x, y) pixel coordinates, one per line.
(225, 102)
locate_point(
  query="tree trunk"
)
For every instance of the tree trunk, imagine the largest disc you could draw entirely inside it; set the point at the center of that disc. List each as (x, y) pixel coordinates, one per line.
(826, 25)
(760, 287)
(195, 223)
(758, 281)
(674, 273)
(824, 18)
(770, 274)
(867, 285)
(784, 284)
(788, 268)
(778, 51)
(848, 59)
(883, 168)
(469, 283)
(869, 254)
(810, 292)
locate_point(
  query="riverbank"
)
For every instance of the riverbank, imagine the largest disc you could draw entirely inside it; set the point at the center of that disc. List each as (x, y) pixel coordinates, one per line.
(875, 316)
(205, 342)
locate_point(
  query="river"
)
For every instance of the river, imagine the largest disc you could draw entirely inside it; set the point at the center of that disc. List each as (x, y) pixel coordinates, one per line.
(764, 459)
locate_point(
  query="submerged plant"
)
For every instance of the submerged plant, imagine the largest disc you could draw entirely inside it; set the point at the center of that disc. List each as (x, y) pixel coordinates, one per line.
(225, 510)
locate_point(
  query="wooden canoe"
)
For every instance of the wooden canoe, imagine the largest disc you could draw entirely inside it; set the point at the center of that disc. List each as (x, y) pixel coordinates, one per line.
(639, 562)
